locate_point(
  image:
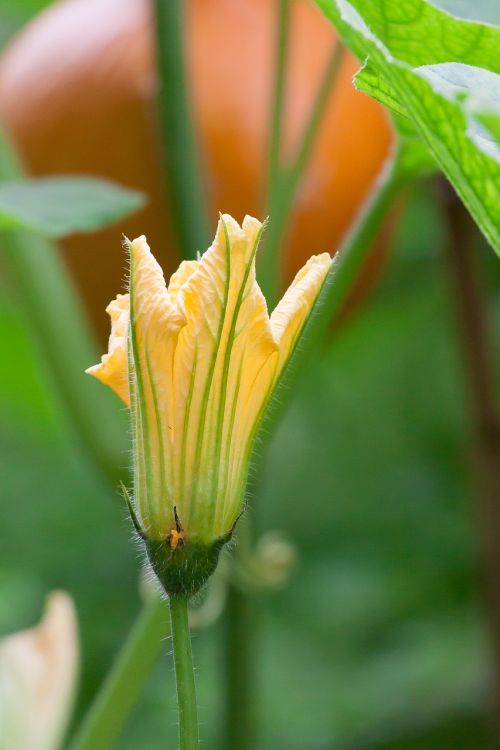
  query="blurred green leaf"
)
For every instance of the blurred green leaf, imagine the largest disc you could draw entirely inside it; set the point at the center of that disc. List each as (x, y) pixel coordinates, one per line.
(58, 206)
(440, 72)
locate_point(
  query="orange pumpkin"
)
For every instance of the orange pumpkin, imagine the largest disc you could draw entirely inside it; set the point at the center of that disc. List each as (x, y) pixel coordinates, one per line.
(77, 94)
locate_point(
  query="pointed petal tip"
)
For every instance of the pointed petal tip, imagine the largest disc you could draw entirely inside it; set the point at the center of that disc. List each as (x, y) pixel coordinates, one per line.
(59, 605)
(140, 245)
(292, 311)
(92, 370)
(249, 224)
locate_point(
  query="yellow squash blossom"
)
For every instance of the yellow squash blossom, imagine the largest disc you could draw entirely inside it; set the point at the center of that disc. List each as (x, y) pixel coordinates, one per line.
(197, 363)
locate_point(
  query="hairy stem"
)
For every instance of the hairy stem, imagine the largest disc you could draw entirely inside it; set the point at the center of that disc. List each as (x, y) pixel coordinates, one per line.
(184, 674)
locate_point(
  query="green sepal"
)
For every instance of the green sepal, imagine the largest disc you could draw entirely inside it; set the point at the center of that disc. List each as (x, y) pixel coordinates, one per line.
(184, 571)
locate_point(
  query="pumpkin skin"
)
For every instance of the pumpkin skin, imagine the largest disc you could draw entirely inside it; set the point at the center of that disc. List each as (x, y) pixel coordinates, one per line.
(77, 95)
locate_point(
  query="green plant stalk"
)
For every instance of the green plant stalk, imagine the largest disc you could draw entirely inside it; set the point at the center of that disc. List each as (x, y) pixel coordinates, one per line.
(240, 632)
(343, 272)
(241, 610)
(184, 187)
(283, 182)
(355, 246)
(59, 329)
(279, 96)
(107, 716)
(184, 674)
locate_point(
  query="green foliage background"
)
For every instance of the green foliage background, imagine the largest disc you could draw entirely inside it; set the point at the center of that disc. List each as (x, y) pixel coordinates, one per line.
(379, 639)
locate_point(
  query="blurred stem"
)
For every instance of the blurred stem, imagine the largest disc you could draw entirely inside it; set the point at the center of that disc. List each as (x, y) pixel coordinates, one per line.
(184, 674)
(279, 95)
(343, 272)
(185, 188)
(358, 241)
(124, 683)
(240, 650)
(283, 182)
(240, 669)
(60, 331)
(477, 353)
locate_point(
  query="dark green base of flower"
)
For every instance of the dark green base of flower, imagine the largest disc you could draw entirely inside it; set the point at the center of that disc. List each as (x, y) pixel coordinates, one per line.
(183, 571)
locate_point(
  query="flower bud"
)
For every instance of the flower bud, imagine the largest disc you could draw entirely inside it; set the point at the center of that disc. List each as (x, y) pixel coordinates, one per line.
(197, 362)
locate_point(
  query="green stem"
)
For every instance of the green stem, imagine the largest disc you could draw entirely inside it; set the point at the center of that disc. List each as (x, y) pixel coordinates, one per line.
(241, 618)
(240, 635)
(344, 271)
(357, 244)
(283, 183)
(279, 96)
(59, 330)
(185, 188)
(107, 716)
(184, 674)
(327, 83)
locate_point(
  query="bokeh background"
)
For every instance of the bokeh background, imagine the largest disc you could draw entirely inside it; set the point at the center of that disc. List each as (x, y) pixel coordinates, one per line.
(379, 640)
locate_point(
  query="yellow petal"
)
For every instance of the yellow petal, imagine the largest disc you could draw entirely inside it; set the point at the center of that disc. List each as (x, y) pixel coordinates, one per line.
(203, 359)
(179, 278)
(289, 316)
(155, 321)
(38, 670)
(286, 324)
(226, 341)
(113, 368)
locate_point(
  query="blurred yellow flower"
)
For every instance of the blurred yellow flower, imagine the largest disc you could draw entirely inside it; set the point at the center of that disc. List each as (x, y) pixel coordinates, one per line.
(197, 362)
(38, 671)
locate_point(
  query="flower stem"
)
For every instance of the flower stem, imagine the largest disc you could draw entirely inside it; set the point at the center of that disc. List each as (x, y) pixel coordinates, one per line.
(106, 718)
(279, 95)
(184, 674)
(185, 188)
(241, 637)
(284, 181)
(241, 620)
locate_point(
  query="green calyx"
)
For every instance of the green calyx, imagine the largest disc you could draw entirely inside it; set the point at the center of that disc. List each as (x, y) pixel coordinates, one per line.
(183, 571)
(182, 565)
